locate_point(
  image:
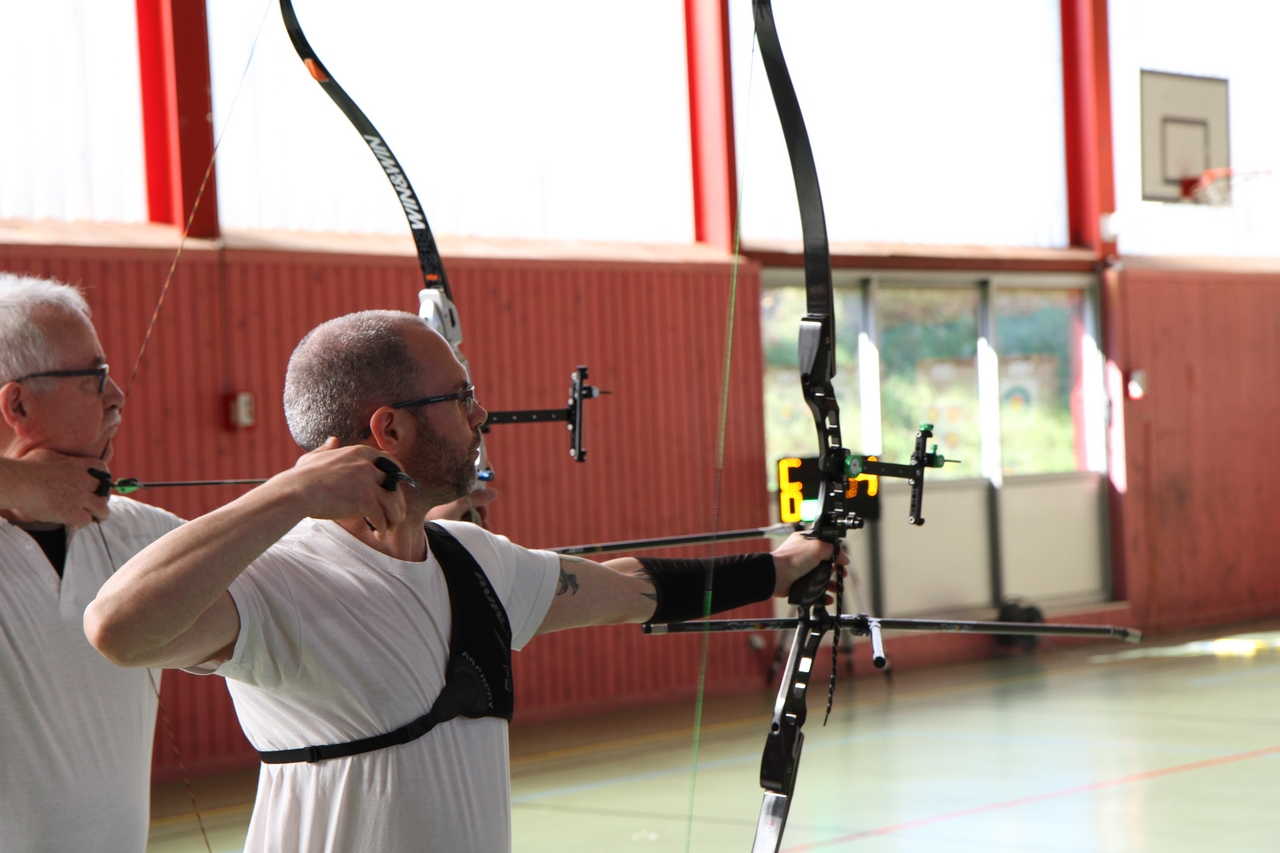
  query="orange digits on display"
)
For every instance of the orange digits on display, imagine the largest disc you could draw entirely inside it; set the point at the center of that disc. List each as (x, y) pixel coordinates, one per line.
(872, 481)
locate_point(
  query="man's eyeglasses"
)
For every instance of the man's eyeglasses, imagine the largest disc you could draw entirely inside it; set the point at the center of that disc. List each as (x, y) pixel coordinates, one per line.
(101, 372)
(467, 397)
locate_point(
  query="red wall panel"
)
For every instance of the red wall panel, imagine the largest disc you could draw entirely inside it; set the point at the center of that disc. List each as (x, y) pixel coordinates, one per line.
(1195, 532)
(652, 333)
(1200, 544)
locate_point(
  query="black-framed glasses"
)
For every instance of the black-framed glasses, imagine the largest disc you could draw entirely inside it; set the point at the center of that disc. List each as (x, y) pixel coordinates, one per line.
(467, 397)
(101, 372)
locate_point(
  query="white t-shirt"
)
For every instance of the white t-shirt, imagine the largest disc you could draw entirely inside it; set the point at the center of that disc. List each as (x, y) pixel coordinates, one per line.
(340, 642)
(75, 730)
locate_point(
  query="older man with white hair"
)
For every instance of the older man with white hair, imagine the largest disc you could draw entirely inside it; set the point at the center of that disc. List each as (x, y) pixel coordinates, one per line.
(75, 731)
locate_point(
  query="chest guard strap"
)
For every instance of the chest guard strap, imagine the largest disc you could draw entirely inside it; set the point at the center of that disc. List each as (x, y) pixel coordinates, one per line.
(478, 676)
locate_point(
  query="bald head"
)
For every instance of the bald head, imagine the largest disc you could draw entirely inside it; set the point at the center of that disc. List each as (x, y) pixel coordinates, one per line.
(345, 369)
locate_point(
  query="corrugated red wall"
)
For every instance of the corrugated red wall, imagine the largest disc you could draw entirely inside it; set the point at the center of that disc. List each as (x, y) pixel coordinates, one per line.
(652, 333)
(1195, 528)
(1200, 539)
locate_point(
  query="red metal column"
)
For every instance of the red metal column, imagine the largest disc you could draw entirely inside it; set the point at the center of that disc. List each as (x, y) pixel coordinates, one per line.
(177, 112)
(706, 25)
(1086, 81)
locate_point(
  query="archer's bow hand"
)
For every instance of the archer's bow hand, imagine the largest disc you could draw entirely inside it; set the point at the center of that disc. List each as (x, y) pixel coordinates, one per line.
(44, 485)
(345, 482)
(797, 556)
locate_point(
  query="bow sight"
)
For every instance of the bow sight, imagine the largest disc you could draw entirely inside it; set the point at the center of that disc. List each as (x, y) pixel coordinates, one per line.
(832, 524)
(785, 740)
(579, 391)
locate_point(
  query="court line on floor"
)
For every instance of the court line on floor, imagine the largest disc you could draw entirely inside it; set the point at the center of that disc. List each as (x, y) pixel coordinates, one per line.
(680, 817)
(671, 816)
(818, 742)
(191, 816)
(815, 744)
(1038, 798)
(892, 698)
(681, 769)
(759, 721)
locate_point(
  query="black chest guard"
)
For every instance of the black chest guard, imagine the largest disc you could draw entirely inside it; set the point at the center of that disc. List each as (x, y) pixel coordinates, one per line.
(478, 675)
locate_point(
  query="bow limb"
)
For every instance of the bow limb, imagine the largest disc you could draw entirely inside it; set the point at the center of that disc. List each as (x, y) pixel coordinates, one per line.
(433, 274)
(436, 297)
(819, 293)
(817, 341)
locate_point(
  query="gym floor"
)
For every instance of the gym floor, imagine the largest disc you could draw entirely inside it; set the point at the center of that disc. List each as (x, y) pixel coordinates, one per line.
(1170, 746)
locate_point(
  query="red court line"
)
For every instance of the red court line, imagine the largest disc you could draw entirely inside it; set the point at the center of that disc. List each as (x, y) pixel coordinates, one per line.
(1037, 798)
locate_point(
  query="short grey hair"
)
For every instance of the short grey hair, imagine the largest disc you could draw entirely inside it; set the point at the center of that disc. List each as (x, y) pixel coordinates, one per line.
(345, 369)
(27, 303)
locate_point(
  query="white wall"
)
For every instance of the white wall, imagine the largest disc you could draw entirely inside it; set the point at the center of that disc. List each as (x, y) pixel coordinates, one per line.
(1052, 542)
(932, 121)
(71, 146)
(1235, 39)
(944, 565)
(564, 120)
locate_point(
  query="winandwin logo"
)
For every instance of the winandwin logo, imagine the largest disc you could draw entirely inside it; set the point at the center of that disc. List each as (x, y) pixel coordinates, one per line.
(407, 200)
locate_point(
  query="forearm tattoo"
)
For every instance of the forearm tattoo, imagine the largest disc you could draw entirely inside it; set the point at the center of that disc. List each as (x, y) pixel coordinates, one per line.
(652, 596)
(568, 582)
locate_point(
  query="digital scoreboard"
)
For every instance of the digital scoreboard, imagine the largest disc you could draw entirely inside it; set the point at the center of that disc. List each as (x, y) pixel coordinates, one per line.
(798, 480)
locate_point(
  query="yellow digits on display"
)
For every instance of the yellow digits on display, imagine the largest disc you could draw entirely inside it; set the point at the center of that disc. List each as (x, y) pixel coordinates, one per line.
(790, 494)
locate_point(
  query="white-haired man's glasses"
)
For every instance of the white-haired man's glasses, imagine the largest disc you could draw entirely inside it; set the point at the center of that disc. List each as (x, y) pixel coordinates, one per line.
(101, 372)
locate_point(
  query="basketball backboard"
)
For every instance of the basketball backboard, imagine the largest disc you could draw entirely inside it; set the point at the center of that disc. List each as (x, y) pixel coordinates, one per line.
(1184, 131)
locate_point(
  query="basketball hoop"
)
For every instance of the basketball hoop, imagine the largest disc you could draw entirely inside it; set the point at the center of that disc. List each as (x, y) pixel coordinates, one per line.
(1213, 186)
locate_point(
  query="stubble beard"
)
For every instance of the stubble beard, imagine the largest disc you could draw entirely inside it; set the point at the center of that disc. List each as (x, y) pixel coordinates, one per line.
(444, 474)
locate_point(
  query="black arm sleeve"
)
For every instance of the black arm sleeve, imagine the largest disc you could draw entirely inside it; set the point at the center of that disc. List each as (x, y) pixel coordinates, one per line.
(736, 580)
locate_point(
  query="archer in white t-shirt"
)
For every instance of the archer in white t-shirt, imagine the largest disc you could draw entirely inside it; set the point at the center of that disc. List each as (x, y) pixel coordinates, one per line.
(317, 596)
(75, 732)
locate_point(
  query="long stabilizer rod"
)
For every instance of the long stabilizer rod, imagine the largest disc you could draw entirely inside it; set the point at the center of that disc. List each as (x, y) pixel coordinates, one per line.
(859, 624)
(676, 541)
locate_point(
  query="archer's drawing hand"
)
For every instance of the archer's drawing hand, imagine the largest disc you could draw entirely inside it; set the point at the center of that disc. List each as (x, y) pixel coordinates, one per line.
(44, 485)
(797, 556)
(343, 482)
(461, 509)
